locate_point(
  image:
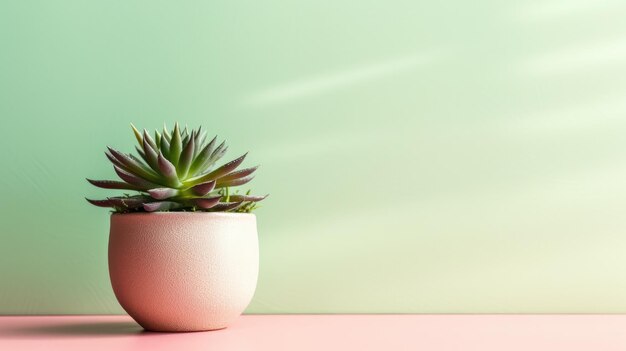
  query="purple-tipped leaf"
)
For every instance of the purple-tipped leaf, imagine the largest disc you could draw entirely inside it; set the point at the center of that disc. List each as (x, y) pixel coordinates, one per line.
(206, 202)
(100, 203)
(161, 206)
(132, 202)
(251, 198)
(163, 193)
(226, 206)
(114, 160)
(134, 166)
(234, 182)
(238, 174)
(141, 153)
(113, 184)
(151, 157)
(133, 179)
(168, 170)
(129, 202)
(203, 188)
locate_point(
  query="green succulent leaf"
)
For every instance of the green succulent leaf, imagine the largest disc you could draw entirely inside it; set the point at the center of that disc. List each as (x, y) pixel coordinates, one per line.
(200, 138)
(177, 172)
(142, 164)
(176, 146)
(157, 137)
(185, 158)
(185, 136)
(219, 152)
(137, 134)
(202, 157)
(165, 146)
(141, 153)
(149, 139)
(151, 157)
(225, 169)
(166, 133)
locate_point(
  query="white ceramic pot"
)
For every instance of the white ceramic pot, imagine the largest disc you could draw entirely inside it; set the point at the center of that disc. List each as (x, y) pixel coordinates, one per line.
(183, 271)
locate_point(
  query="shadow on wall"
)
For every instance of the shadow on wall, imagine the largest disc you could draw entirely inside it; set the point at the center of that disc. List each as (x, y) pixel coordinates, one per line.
(329, 82)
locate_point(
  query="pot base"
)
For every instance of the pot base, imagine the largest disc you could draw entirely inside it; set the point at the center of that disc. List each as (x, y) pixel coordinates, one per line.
(185, 330)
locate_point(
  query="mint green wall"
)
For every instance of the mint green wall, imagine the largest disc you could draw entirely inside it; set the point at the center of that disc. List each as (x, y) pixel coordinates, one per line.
(422, 156)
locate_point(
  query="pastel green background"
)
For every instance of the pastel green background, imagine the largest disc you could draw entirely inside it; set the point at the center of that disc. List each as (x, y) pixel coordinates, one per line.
(422, 156)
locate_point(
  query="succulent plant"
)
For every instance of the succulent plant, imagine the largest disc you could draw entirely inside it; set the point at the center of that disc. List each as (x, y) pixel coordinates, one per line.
(176, 172)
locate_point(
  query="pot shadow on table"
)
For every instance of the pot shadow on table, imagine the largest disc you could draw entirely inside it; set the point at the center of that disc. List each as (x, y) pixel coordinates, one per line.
(69, 330)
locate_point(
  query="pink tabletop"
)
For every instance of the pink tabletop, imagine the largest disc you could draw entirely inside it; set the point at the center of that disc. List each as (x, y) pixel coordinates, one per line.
(326, 332)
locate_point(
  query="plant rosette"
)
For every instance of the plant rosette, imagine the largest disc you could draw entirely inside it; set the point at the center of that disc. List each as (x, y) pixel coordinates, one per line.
(183, 250)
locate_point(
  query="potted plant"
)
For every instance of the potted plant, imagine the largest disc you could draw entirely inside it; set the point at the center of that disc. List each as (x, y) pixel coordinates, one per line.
(183, 249)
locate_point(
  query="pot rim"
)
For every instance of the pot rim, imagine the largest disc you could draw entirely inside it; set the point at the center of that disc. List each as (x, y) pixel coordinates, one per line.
(181, 213)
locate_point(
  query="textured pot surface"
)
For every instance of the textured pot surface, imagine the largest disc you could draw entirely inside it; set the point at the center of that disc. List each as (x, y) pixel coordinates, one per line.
(183, 271)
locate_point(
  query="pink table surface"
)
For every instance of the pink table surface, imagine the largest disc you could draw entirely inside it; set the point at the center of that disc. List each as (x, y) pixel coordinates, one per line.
(325, 332)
